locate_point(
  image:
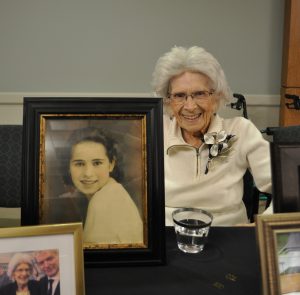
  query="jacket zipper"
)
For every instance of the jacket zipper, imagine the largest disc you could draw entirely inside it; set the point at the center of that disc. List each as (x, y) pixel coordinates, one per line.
(197, 154)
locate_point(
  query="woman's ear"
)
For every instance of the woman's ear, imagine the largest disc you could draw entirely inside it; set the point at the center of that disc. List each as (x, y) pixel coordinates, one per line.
(217, 101)
(167, 108)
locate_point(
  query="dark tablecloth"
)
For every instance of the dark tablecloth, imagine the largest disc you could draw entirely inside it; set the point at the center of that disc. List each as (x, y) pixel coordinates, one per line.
(229, 264)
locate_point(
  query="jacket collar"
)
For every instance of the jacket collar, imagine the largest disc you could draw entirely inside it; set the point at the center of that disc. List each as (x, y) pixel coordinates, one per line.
(216, 124)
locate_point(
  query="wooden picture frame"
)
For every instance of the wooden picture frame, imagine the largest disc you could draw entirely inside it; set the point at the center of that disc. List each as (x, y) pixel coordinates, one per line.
(123, 217)
(278, 237)
(60, 244)
(285, 163)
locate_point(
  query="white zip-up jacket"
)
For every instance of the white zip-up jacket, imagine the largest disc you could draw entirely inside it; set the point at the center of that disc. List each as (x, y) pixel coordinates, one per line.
(220, 190)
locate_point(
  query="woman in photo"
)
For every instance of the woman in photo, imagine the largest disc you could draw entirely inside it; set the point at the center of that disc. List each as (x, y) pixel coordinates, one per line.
(94, 170)
(20, 269)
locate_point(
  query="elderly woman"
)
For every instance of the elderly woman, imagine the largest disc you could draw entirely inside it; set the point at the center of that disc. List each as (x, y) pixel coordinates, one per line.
(20, 269)
(206, 156)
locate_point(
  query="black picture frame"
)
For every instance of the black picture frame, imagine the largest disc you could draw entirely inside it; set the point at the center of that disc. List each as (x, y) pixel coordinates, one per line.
(41, 112)
(285, 165)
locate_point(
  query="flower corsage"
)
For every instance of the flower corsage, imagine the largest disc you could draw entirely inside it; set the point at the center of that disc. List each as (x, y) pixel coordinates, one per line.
(219, 145)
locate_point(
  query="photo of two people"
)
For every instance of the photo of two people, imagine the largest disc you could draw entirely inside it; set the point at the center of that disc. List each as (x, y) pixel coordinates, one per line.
(30, 273)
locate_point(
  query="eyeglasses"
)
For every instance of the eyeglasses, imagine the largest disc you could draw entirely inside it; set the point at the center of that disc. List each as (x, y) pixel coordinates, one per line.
(19, 270)
(197, 96)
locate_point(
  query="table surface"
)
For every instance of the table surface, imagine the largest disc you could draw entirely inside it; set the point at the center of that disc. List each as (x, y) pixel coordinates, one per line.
(229, 264)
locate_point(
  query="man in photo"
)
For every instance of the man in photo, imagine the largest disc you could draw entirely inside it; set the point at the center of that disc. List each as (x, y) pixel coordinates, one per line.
(48, 262)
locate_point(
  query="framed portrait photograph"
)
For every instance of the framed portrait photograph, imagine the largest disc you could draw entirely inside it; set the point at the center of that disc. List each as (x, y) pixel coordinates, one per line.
(278, 237)
(40, 259)
(285, 163)
(98, 161)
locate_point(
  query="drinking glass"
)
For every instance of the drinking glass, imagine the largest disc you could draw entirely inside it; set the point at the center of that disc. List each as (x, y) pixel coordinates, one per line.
(192, 227)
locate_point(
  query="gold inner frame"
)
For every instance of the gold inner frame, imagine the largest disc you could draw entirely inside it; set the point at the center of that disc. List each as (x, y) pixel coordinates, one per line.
(43, 174)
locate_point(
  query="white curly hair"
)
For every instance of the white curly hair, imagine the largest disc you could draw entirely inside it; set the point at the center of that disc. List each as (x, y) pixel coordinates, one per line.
(16, 260)
(194, 59)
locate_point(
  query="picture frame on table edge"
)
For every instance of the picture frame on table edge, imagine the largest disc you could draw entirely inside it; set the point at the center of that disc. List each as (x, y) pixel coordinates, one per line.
(63, 239)
(278, 237)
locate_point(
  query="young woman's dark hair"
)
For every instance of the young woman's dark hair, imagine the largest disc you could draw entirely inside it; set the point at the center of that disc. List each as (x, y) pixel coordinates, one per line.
(97, 135)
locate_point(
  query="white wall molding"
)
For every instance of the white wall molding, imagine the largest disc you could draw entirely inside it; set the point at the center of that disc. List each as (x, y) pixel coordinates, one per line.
(13, 98)
(263, 110)
(262, 100)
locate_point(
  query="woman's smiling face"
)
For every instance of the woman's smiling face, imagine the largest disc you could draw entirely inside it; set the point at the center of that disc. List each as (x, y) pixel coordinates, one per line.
(22, 273)
(193, 117)
(90, 167)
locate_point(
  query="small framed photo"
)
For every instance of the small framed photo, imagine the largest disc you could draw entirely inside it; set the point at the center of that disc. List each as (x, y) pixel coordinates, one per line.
(98, 161)
(41, 258)
(278, 237)
(285, 163)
